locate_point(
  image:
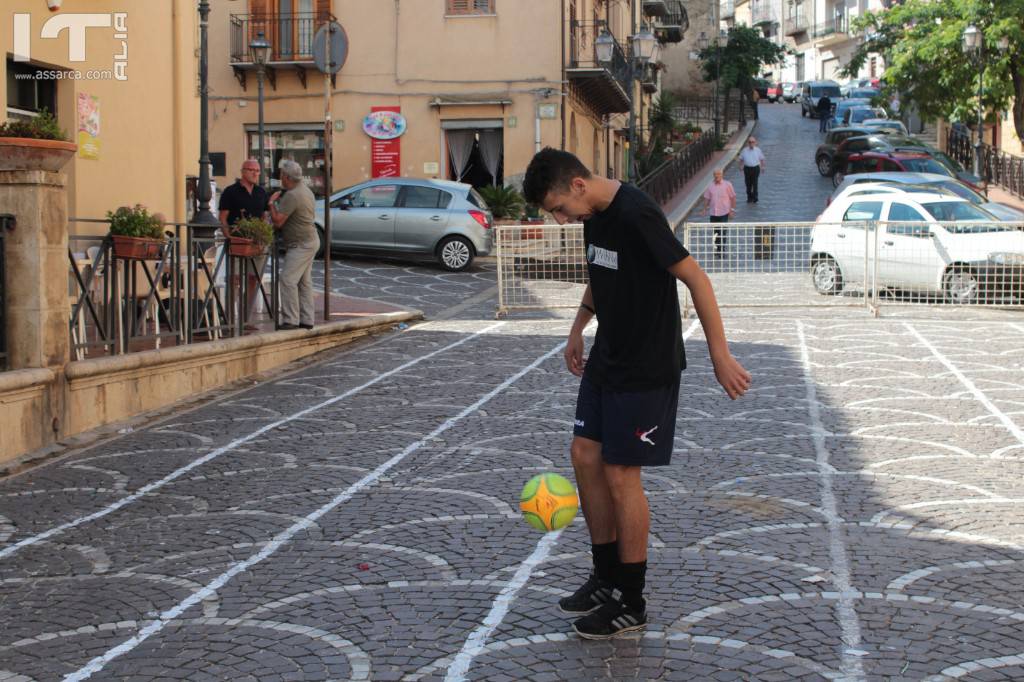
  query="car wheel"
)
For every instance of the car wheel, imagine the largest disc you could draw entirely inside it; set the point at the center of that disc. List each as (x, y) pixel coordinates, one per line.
(960, 286)
(837, 178)
(826, 275)
(824, 165)
(455, 254)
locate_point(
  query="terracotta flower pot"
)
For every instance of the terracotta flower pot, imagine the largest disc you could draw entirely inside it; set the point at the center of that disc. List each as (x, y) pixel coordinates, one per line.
(24, 153)
(245, 248)
(136, 248)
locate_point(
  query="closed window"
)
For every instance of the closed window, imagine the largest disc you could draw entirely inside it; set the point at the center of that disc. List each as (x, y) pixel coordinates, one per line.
(470, 6)
(863, 210)
(864, 166)
(903, 212)
(378, 196)
(425, 197)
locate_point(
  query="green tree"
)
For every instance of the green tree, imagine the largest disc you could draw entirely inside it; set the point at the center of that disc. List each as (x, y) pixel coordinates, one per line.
(661, 122)
(739, 60)
(921, 42)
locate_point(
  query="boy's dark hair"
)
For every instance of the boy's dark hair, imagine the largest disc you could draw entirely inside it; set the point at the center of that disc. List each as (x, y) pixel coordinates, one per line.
(551, 170)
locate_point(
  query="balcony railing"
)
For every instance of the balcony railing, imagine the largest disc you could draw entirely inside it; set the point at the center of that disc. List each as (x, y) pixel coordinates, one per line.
(762, 12)
(797, 20)
(834, 26)
(290, 35)
(672, 27)
(583, 53)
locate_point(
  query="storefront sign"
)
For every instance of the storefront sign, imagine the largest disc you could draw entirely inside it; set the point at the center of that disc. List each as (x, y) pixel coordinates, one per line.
(387, 125)
(88, 128)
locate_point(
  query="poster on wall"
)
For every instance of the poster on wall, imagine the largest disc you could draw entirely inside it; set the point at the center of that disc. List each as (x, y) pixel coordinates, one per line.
(88, 126)
(386, 126)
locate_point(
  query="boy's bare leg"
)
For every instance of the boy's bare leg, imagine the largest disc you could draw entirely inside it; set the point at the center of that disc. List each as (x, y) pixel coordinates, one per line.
(595, 497)
(632, 515)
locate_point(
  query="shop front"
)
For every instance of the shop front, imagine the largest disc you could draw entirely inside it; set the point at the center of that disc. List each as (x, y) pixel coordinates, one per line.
(298, 142)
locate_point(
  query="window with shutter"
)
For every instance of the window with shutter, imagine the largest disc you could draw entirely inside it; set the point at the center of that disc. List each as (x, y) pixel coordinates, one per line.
(470, 6)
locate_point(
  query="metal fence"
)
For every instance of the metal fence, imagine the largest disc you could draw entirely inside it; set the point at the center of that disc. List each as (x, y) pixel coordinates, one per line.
(540, 267)
(868, 264)
(193, 289)
(997, 166)
(666, 179)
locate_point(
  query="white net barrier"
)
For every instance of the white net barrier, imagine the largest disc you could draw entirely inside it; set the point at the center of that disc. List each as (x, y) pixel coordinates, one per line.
(540, 267)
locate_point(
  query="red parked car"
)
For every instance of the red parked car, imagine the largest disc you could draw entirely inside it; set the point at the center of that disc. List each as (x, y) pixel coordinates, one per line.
(880, 161)
(775, 92)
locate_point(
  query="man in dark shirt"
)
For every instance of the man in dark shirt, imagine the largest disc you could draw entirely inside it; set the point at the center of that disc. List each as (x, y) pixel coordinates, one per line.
(246, 199)
(629, 388)
(824, 112)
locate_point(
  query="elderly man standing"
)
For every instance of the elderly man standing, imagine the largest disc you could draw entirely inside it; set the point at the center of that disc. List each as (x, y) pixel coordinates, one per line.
(246, 199)
(292, 212)
(719, 203)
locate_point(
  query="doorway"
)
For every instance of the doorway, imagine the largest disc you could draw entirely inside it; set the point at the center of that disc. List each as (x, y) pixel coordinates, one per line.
(475, 153)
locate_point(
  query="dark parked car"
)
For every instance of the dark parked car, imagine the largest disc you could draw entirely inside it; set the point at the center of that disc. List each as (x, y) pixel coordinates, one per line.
(835, 137)
(840, 109)
(858, 144)
(812, 91)
(762, 85)
(877, 162)
(409, 217)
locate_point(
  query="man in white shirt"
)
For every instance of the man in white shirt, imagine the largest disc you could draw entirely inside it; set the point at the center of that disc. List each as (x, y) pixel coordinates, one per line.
(753, 161)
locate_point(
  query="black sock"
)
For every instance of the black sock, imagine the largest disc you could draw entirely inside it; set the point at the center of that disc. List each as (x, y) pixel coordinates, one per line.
(606, 560)
(632, 578)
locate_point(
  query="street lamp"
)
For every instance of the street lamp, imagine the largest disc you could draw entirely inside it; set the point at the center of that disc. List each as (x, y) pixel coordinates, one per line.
(259, 49)
(974, 49)
(204, 216)
(642, 46)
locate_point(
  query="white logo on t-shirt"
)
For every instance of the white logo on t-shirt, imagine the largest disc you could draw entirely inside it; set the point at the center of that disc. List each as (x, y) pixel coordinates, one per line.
(603, 257)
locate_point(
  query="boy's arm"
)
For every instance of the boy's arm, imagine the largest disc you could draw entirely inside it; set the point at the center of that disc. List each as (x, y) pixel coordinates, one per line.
(729, 372)
(574, 346)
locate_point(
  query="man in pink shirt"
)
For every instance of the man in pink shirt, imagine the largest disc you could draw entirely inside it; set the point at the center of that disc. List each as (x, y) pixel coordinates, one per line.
(720, 203)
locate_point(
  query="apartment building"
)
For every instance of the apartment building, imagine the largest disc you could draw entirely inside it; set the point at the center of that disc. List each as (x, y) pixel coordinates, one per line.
(122, 79)
(477, 85)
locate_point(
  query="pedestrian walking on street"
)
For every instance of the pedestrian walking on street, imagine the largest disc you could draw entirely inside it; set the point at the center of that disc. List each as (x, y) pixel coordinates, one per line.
(629, 388)
(246, 199)
(293, 213)
(753, 161)
(719, 204)
(824, 110)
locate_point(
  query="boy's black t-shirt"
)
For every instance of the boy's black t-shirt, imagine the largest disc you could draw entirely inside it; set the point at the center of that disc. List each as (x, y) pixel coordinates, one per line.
(630, 247)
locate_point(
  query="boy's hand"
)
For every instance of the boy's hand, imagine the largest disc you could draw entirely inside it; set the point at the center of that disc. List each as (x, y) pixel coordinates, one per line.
(574, 354)
(731, 375)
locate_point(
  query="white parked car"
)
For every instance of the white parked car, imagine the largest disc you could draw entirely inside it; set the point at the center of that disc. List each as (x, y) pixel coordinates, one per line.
(939, 244)
(886, 125)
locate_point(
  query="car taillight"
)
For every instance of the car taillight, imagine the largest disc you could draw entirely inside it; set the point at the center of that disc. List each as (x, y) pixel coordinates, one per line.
(481, 218)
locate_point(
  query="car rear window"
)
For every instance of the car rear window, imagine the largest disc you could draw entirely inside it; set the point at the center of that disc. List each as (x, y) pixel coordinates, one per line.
(962, 191)
(821, 90)
(477, 200)
(961, 210)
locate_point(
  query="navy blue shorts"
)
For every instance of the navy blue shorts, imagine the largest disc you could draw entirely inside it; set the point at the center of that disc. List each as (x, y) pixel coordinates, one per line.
(634, 428)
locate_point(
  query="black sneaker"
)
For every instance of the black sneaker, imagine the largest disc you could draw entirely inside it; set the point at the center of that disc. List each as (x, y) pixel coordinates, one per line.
(589, 598)
(610, 620)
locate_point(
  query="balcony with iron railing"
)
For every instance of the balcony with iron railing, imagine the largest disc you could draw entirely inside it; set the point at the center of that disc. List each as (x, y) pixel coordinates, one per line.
(797, 19)
(290, 37)
(672, 27)
(604, 87)
(655, 8)
(832, 30)
(762, 12)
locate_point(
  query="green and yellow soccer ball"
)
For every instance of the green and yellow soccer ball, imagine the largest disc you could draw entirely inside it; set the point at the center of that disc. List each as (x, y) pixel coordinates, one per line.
(549, 502)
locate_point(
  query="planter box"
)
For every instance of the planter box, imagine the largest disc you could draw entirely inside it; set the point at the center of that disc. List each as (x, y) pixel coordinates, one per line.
(245, 248)
(136, 248)
(23, 153)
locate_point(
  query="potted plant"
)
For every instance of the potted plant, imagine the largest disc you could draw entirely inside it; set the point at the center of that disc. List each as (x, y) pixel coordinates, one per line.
(137, 235)
(38, 143)
(250, 237)
(503, 202)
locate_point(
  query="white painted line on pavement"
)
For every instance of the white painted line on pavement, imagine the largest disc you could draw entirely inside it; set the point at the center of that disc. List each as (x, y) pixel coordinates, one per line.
(476, 643)
(1010, 425)
(97, 664)
(846, 612)
(156, 485)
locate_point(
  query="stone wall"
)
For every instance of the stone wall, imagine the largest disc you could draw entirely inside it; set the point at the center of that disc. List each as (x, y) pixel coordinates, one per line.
(682, 74)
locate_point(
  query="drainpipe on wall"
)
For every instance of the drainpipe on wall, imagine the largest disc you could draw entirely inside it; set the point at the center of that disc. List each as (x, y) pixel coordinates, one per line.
(561, 74)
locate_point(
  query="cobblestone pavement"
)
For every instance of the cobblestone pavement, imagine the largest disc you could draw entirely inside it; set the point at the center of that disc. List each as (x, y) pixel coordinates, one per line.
(855, 516)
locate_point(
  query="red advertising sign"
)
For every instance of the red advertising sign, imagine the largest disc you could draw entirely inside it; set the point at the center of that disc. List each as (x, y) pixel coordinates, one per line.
(386, 155)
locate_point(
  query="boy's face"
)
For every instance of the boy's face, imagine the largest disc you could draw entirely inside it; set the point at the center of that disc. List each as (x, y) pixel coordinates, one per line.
(569, 206)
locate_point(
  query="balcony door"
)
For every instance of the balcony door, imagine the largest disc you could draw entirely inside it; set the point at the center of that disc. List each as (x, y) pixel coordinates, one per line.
(289, 25)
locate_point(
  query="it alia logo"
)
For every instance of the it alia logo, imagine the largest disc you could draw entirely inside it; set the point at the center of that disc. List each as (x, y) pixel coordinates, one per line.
(76, 24)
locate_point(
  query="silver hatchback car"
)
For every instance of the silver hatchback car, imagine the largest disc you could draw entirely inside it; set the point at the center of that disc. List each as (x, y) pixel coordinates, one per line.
(410, 217)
